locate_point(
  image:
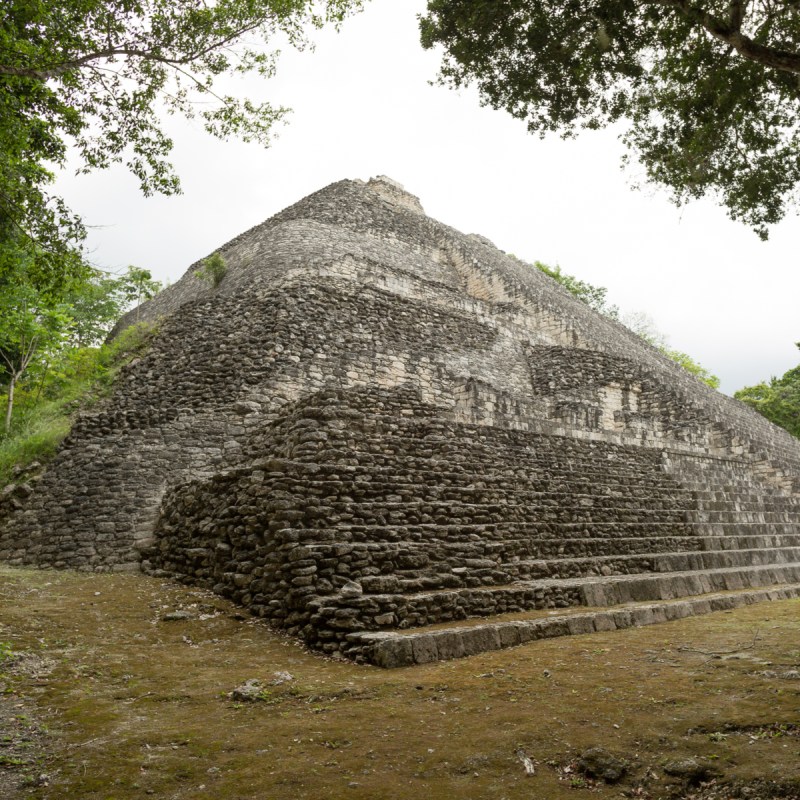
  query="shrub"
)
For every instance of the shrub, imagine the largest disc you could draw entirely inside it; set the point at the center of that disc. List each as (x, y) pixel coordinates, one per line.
(213, 269)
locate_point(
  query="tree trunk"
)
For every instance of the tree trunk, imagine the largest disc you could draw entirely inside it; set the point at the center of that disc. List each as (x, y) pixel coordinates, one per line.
(41, 383)
(10, 405)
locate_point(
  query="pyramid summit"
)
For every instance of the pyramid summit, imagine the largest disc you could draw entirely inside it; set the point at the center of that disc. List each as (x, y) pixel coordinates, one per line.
(375, 424)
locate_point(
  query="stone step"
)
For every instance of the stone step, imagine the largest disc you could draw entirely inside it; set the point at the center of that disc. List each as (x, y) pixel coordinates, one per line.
(735, 487)
(642, 563)
(423, 646)
(729, 495)
(776, 505)
(541, 548)
(743, 528)
(489, 480)
(735, 516)
(543, 541)
(463, 454)
(423, 601)
(397, 495)
(669, 585)
(756, 541)
(558, 508)
(444, 571)
(568, 481)
(408, 494)
(564, 511)
(708, 464)
(603, 483)
(504, 531)
(726, 491)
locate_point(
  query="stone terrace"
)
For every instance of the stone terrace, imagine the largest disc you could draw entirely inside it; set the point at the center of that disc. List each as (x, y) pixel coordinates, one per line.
(380, 515)
(377, 430)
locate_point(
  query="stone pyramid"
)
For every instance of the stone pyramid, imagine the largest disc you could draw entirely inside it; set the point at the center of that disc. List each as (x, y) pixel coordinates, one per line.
(400, 444)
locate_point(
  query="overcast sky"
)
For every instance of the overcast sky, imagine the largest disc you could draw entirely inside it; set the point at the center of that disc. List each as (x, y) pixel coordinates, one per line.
(363, 105)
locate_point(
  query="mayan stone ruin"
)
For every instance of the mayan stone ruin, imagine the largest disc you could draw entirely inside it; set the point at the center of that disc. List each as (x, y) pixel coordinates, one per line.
(376, 424)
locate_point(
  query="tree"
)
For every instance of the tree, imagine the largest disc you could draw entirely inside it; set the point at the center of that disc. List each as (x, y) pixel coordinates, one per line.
(97, 75)
(135, 286)
(637, 321)
(690, 365)
(593, 296)
(643, 325)
(31, 326)
(213, 269)
(50, 340)
(710, 88)
(778, 400)
(95, 304)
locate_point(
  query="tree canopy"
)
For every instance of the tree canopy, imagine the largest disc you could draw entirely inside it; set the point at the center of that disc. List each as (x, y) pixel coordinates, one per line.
(97, 76)
(710, 88)
(778, 400)
(42, 332)
(30, 326)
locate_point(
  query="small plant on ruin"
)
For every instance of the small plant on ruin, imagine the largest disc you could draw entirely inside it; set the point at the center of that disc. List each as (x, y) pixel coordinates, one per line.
(213, 269)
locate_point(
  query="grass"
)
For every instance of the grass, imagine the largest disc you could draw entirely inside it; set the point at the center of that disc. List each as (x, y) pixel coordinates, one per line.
(142, 707)
(42, 419)
(35, 438)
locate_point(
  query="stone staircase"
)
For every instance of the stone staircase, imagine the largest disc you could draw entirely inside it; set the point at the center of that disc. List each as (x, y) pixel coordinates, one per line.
(422, 646)
(389, 518)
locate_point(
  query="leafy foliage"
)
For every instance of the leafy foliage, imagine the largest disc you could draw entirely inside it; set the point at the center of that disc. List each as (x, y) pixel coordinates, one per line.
(643, 325)
(690, 365)
(136, 286)
(593, 296)
(94, 305)
(640, 323)
(31, 327)
(98, 76)
(42, 415)
(213, 269)
(711, 88)
(778, 400)
(44, 337)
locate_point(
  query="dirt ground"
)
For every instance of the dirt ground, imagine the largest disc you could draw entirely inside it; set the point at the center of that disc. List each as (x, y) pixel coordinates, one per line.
(120, 687)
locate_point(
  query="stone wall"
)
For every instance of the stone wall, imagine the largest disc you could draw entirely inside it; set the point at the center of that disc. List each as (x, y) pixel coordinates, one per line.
(363, 233)
(375, 513)
(376, 422)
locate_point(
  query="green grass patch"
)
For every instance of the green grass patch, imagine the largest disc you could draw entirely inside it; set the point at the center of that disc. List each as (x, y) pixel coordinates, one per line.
(36, 440)
(45, 408)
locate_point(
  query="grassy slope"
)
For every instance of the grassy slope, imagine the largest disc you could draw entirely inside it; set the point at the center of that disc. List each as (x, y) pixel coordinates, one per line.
(41, 421)
(138, 706)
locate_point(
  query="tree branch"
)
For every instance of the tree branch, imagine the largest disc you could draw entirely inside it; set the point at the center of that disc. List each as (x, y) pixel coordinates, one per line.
(782, 60)
(29, 354)
(54, 70)
(7, 360)
(737, 10)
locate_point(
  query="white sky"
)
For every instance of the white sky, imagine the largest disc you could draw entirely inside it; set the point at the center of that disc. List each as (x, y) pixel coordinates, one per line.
(363, 106)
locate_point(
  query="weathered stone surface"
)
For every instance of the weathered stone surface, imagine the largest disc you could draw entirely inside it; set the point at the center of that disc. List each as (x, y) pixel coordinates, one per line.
(376, 424)
(249, 692)
(599, 763)
(690, 770)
